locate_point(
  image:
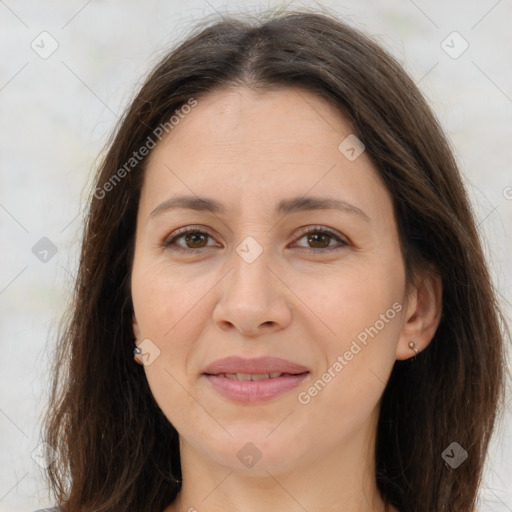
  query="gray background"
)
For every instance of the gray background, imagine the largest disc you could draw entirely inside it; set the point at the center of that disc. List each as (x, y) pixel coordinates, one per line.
(56, 113)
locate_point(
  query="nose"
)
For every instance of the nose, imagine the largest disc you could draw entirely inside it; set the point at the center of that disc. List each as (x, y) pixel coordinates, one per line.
(253, 299)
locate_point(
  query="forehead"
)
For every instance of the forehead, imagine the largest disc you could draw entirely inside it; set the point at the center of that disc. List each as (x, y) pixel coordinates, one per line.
(259, 121)
(251, 145)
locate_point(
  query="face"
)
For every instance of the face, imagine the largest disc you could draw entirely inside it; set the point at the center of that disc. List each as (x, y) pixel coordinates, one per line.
(270, 269)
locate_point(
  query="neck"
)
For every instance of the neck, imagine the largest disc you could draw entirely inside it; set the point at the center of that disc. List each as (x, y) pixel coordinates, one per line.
(341, 480)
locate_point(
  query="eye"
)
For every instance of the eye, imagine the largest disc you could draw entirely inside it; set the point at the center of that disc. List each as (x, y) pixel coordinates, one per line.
(321, 237)
(191, 235)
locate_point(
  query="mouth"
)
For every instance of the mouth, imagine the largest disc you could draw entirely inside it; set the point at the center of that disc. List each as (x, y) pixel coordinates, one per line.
(254, 380)
(253, 376)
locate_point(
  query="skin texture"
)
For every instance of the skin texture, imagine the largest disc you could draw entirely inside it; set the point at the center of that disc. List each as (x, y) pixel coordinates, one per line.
(250, 150)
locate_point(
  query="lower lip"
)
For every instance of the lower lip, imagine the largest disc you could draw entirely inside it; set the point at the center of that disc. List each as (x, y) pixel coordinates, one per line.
(249, 391)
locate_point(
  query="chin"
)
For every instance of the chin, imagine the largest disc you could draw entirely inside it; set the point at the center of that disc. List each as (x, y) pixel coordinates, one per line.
(252, 451)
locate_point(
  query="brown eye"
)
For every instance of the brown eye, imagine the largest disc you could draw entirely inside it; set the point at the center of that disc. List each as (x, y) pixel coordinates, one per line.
(320, 239)
(194, 240)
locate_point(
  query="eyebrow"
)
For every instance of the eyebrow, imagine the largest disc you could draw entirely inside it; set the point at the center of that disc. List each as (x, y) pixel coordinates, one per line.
(284, 207)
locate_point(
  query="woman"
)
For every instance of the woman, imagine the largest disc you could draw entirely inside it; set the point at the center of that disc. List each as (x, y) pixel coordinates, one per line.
(282, 300)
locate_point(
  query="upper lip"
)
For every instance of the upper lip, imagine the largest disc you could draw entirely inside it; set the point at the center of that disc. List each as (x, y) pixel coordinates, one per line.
(257, 365)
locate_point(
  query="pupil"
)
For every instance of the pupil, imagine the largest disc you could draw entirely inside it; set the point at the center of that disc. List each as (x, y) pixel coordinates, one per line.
(318, 235)
(192, 236)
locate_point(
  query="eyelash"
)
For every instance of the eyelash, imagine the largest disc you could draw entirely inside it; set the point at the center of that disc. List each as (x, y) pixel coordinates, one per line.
(179, 233)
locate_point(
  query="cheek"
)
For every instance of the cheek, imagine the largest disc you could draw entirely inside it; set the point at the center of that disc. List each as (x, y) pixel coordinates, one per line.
(169, 318)
(166, 300)
(353, 298)
(361, 312)
(172, 320)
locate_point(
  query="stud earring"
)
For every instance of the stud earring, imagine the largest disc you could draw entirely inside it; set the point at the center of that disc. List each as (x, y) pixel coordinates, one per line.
(136, 352)
(412, 346)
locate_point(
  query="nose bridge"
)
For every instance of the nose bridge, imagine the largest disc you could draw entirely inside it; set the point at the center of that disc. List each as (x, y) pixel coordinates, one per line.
(251, 295)
(251, 275)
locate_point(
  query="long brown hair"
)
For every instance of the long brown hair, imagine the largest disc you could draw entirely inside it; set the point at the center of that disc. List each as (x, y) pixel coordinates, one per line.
(117, 451)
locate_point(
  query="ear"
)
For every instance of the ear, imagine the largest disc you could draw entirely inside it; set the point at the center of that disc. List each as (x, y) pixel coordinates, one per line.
(422, 316)
(136, 328)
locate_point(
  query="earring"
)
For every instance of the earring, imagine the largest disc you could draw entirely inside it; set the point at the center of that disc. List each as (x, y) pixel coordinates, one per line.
(412, 346)
(136, 352)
